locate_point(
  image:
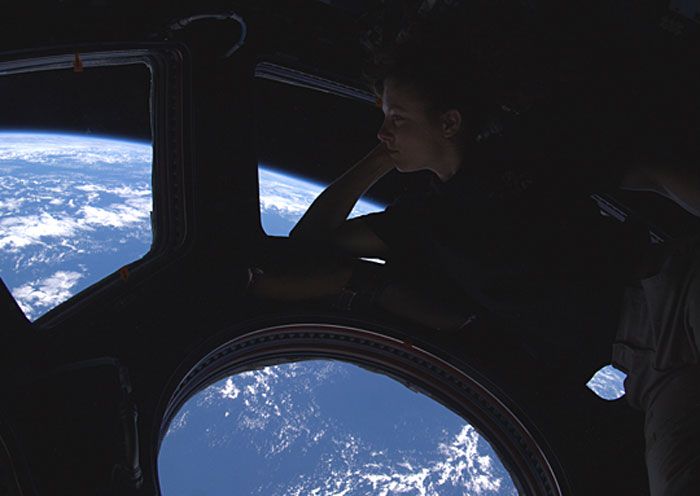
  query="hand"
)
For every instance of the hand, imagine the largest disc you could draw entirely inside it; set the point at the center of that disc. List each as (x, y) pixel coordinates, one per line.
(379, 156)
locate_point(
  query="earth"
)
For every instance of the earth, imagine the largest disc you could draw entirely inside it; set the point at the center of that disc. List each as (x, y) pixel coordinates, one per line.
(312, 428)
(74, 209)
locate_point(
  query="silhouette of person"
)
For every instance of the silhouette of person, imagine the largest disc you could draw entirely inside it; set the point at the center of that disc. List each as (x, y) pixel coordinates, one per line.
(509, 225)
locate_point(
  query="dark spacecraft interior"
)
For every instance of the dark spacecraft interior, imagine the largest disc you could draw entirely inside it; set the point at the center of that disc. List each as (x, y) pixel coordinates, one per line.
(209, 98)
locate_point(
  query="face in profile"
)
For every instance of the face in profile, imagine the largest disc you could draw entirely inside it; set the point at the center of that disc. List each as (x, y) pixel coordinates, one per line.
(415, 137)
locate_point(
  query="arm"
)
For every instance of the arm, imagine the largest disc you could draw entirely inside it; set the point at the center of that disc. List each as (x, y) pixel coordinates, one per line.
(403, 301)
(298, 284)
(681, 185)
(424, 308)
(329, 211)
(325, 220)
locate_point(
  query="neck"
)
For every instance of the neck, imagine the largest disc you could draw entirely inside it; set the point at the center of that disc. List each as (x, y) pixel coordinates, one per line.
(450, 164)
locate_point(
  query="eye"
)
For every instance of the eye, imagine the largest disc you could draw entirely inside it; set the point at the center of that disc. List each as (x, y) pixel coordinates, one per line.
(396, 118)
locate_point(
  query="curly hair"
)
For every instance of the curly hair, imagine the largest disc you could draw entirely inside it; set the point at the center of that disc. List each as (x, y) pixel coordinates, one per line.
(477, 59)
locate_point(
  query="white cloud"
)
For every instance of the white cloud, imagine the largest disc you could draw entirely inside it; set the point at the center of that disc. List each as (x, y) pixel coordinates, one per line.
(354, 466)
(264, 407)
(178, 422)
(229, 391)
(463, 463)
(11, 204)
(46, 293)
(50, 215)
(67, 149)
(459, 462)
(122, 190)
(116, 215)
(17, 232)
(286, 204)
(21, 231)
(461, 466)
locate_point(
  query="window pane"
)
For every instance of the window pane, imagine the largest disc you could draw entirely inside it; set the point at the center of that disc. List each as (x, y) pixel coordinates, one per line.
(284, 198)
(608, 383)
(73, 209)
(75, 179)
(305, 139)
(323, 427)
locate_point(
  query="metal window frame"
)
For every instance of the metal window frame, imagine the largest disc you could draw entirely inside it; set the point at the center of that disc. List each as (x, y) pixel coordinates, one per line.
(459, 388)
(172, 213)
(273, 70)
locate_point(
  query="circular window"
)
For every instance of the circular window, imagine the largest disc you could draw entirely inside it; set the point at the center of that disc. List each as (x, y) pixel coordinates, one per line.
(321, 409)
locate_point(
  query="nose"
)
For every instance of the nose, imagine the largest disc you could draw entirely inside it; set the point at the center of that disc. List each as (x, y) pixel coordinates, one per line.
(383, 134)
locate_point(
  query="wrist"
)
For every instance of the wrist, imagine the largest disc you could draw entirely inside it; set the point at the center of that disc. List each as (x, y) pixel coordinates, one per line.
(379, 159)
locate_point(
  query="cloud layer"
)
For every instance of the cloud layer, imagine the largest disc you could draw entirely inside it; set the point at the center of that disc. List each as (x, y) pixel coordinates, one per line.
(46, 293)
(277, 415)
(72, 210)
(62, 149)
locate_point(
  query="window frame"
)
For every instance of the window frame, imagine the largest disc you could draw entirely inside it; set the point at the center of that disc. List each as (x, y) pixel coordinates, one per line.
(458, 387)
(278, 69)
(169, 102)
(272, 70)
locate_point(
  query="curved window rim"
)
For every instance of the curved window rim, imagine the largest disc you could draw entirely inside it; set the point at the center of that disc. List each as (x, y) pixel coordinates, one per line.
(420, 370)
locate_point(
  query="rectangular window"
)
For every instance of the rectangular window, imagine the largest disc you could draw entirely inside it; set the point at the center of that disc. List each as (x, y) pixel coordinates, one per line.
(75, 178)
(308, 132)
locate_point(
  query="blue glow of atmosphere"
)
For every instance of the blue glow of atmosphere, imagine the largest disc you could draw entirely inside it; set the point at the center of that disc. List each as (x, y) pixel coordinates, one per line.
(73, 135)
(316, 185)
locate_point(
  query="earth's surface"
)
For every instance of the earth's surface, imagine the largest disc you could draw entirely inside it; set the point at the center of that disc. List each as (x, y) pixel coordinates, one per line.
(324, 428)
(74, 209)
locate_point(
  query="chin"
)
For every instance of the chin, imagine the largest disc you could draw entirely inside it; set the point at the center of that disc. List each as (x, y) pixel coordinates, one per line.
(401, 165)
(408, 168)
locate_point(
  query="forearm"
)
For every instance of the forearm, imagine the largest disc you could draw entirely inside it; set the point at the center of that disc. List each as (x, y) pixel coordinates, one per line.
(330, 283)
(334, 204)
(423, 308)
(301, 283)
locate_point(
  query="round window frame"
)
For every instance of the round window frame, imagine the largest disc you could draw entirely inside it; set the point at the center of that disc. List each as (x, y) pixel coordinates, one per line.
(458, 389)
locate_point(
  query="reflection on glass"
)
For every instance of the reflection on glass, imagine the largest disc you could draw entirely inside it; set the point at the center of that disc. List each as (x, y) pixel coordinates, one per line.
(323, 427)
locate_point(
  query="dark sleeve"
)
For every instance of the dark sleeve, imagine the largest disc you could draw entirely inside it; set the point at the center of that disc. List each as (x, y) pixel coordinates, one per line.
(402, 225)
(409, 228)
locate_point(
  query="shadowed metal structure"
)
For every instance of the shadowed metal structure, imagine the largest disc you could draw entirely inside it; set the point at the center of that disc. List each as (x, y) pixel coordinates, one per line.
(89, 388)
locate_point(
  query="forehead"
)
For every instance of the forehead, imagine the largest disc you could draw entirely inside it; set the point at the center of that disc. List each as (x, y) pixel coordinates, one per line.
(401, 96)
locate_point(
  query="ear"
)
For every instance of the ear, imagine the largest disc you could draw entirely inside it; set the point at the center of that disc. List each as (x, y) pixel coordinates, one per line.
(451, 123)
